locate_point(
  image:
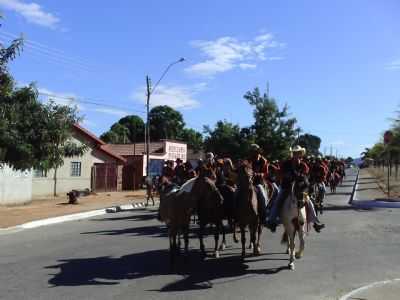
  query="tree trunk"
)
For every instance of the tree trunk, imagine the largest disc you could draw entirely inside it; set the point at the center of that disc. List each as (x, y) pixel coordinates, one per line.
(55, 183)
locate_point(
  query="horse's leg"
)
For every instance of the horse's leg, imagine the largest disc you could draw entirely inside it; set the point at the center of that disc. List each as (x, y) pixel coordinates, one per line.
(292, 234)
(223, 245)
(235, 238)
(172, 246)
(299, 254)
(186, 238)
(216, 239)
(243, 237)
(201, 230)
(253, 232)
(259, 232)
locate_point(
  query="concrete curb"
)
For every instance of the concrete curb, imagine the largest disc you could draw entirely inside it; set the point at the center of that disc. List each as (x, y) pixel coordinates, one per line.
(355, 187)
(73, 217)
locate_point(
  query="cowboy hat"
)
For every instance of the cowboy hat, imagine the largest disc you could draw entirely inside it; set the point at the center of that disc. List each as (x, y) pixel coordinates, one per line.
(255, 148)
(297, 149)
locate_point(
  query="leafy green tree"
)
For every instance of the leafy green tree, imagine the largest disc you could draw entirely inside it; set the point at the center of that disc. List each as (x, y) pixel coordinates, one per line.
(32, 134)
(274, 130)
(129, 129)
(227, 139)
(165, 123)
(135, 126)
(57, 138)
(193, 139)
(311, 142)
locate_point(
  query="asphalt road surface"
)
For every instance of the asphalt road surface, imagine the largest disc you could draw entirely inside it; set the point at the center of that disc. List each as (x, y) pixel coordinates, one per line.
(125, 256)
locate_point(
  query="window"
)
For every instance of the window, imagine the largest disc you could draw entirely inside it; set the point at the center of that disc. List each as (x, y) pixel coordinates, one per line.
(75, 168)
(39, 173)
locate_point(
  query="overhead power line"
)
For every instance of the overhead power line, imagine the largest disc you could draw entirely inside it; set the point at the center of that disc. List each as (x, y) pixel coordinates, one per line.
(90, 101)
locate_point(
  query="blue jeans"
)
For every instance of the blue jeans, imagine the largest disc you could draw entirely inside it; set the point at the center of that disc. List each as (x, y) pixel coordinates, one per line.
(276, 204)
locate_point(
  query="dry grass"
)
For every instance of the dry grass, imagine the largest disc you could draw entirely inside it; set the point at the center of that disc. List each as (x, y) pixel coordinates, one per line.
(382, 177)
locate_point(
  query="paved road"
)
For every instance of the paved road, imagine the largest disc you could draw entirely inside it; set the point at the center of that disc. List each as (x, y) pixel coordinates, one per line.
(124, 256)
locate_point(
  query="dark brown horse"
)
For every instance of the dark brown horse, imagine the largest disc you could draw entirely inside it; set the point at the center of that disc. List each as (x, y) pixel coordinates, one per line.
(209, 210)
(247, 210)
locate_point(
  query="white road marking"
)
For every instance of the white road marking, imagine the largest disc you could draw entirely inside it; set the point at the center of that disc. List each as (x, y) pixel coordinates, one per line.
(367, 287)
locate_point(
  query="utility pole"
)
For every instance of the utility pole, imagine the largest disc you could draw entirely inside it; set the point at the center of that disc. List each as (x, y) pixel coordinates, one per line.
(147, 133)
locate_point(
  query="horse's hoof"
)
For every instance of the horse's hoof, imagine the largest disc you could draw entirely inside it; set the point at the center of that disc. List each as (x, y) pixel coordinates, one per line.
(298, 255)
(287, 251)
(258, 251)
(216, 254)
(251, 246)
(235, 239)
(222, 247)
(291, 266)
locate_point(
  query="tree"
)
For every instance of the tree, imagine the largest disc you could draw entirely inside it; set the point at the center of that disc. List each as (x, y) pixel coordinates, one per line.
(135, 126)
(227, 139)
(165, 123)
(58, 128)
(32, 134)
(274, 131)
(129, 129)
(193, 139)
(311, 142)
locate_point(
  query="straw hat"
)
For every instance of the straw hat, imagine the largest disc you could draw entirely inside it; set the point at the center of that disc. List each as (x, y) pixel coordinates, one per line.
(297, 149)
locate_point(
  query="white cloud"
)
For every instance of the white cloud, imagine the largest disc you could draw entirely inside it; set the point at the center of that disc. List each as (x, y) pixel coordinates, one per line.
(32, 12)
(247, 66)
(112, 111)
(275, 58)
(87, 123)
(227, 53)
(174, 96)
(394, 65)
(69, 99)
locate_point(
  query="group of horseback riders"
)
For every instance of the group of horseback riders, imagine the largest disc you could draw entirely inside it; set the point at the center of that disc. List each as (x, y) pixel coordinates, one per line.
(273, 180)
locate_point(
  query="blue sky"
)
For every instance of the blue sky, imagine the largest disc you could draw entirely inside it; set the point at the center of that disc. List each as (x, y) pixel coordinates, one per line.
(335, 63)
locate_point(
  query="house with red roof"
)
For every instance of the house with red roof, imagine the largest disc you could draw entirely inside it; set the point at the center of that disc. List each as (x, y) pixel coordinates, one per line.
(99, 169)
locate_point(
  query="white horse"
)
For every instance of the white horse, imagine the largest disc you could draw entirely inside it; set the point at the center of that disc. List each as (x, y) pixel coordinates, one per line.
(293, 217)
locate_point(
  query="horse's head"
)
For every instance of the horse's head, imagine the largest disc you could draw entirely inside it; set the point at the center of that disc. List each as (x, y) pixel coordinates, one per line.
(245, 174)
(300, 191)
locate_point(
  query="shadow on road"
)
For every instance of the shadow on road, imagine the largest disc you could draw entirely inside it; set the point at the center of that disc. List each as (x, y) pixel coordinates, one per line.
(339, 194)
(154, 231)
(197, 273)
(367, 189)
(346, 207)
(367, 182)
(141, 217)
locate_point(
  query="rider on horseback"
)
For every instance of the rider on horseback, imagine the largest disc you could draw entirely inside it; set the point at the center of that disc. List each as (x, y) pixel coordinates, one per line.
(259, 165)
(292, 170)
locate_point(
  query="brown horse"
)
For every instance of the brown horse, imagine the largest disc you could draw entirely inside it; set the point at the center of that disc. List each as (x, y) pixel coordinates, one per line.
(209, 210)
(247, 210)
(175, 210)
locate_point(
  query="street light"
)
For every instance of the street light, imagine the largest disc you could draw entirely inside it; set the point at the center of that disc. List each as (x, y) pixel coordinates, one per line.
(150, 91)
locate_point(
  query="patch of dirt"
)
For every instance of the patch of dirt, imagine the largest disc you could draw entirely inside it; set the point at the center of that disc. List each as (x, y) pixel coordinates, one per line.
(49, 207)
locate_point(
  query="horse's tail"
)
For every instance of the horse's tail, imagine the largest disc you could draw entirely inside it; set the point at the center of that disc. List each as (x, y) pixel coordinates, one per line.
(284, 239)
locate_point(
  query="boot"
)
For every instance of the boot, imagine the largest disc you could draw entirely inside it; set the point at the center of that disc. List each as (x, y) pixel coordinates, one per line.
(318, 227)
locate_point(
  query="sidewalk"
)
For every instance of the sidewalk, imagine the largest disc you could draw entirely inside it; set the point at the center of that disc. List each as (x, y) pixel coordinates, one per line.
(54, 207)
(368, 193)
